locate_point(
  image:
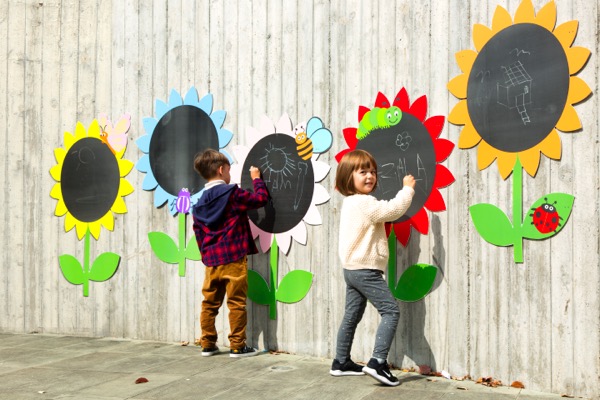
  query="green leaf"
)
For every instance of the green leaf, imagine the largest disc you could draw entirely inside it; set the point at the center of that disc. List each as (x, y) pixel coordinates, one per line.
(164, 247)
(564, 205)
(192, 252)
(294, 286)
(104, 267)
(258, 290)
(415, 282)
(71, 269)
(492, 224)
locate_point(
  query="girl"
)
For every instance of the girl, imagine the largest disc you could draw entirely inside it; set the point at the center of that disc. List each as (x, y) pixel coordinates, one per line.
(363, 251)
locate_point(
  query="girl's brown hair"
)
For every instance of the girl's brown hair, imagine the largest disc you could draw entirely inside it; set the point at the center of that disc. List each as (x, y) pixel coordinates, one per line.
(350, 162)
(208, 162)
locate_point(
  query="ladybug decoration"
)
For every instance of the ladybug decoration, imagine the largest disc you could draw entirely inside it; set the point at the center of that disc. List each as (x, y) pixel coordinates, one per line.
(545, 217)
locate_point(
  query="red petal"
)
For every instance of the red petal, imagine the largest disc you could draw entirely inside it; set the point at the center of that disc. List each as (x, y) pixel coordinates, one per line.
(381, 101)
(350, 137)
(443, 148)
(402, 230)
(401, 101)
(419, 108)
(388, 229)
(435, 202)
(362, 110)
(435, 125)
(421, 221)
(443, 177)
(339, 155)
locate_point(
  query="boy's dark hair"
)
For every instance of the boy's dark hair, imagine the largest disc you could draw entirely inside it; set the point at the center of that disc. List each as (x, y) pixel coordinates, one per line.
(208, 162)
(350, 162)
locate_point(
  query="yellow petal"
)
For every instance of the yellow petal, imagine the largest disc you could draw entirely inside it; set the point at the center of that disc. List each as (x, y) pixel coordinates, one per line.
(119, 206)
(565, 33)
(551, 147)
(81, 228)
(506, 163)
(60, 154)
(569, 120)
(577, 57)
(465, 60)
(94, 229)
(578, 90)
(459, 114)
(56, 192)
(125, 167)
(546, 17)
(125, 188)
(68, 140)
(56, 172)
(486, 155)
(108, 221)
(80, 131)
(468, 137)
(501, 20)
(70, 222)
(481, 35)
(94, 130)
(61, 208)
(525, 12)
(120, 153)
(530, 159)
(458, 86)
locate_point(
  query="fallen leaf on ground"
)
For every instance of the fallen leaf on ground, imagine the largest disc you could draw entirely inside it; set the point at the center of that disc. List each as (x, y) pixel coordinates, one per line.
(567, 395)
(461, 388)
(518, 385)
(424, 369)
(141, 380)
(184, 343)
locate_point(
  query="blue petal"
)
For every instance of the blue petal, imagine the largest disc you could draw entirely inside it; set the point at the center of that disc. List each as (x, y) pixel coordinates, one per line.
(143, 143)
(191, 97)
(218, 118)
(161, 108)
(150, 182)
(206, 104)
(149, 124)
(313, 124)
(227, 155)
(175, 99)
(143, 164)
(160, 197)
(196, 197)
(224, 137)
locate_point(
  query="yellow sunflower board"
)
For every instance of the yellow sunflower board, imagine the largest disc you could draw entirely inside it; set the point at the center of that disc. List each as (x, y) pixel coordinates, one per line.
(517, 90)
(90, 175)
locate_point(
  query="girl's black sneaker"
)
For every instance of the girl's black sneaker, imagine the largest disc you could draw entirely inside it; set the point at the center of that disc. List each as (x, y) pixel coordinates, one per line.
(348, 368)
(381, 372)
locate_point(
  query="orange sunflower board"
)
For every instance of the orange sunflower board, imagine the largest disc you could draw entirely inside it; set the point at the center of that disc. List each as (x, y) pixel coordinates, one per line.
(403, 141)
(516, 90)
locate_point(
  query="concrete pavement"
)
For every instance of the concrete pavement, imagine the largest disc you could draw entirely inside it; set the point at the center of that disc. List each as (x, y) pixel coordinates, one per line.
(44, 367)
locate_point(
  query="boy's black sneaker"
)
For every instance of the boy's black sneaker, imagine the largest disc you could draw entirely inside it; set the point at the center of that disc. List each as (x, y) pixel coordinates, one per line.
(348, 368)
(381, 372)
(209, 351)
(243, 352)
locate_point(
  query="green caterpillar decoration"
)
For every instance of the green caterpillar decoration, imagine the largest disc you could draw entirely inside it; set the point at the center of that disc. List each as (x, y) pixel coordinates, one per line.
(378, 118)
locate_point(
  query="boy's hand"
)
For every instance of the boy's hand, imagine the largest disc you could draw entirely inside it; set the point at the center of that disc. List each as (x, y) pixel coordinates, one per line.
(409, 180)
(254, 172)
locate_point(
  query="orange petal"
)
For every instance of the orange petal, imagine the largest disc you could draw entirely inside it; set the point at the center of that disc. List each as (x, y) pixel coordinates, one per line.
(577, 57)
(506, 163)
(465, 60)
(565, 33)
(481, 35)
(501, 20)
(486, 155)
(458, 86)
(525, 12)
(569, 120)
(530, 159)
(578, 90)
(546, 17)
(459, 114)
(468, 137)
(551, 147)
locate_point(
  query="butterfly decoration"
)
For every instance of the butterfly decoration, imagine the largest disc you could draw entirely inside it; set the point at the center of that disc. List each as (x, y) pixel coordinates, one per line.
(115, 137)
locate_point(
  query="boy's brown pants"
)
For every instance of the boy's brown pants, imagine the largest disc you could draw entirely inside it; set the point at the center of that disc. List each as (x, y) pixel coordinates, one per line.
(230, 279)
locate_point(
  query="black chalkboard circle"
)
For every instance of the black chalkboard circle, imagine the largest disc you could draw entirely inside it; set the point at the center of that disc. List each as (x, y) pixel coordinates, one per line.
(405, 148)
(289, 179)
(178, 136)
(89, 179)
(518, 87)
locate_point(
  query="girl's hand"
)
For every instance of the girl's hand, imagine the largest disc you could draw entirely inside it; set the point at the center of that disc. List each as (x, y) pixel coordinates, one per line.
(409, 180)
(254, 173)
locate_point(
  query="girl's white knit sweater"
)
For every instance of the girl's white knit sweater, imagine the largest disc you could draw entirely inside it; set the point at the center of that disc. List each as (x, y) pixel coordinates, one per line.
(362, 241)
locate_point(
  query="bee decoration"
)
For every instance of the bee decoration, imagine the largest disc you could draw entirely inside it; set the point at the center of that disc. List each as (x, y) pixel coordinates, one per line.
(378, 118)
(315, 138)
(114, 137)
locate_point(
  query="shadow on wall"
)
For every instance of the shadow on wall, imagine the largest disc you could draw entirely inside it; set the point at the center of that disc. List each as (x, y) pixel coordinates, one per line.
(410, 336)
(260, 325)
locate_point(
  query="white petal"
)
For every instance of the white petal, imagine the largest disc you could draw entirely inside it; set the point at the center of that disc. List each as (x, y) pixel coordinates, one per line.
(284, 125)
(240, 153)
(300, 233)
(266, 239)
(256, 231)
(266, 126)
(253, 135)
(236, 173)
(284, 240)
(313, 216)
(320, 195)
(321, 170)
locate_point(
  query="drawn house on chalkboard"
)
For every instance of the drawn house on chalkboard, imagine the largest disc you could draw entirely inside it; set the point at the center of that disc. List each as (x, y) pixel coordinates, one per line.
(516, 91)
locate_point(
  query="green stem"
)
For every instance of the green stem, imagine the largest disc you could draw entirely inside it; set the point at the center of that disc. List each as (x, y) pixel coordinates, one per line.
(273, 278)
(392, 260)
(86, 264)
(182, 259)
(518, 211)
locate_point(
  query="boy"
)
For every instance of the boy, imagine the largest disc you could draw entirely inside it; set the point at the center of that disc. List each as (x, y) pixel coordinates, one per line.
(224, 239)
